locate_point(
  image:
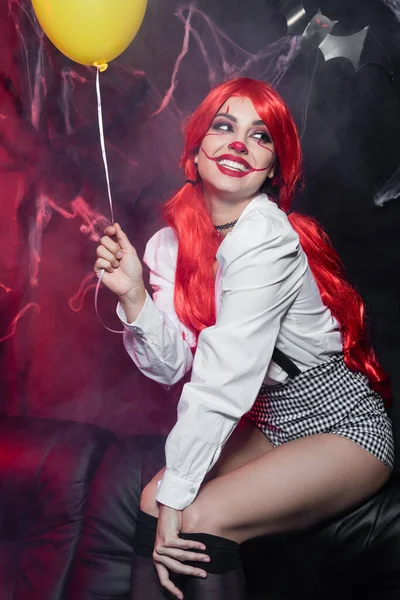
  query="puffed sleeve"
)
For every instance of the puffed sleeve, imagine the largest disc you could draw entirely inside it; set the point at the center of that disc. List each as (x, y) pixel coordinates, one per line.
(262, 268)
(157, 342)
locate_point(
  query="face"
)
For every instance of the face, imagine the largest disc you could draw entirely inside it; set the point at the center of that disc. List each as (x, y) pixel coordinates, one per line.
(237, 154)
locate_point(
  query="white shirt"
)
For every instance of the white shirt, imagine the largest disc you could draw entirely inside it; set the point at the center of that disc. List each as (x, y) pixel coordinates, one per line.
(266, 296)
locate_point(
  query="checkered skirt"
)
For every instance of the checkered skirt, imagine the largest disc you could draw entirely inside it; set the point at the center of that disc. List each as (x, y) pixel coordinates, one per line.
(328, 398)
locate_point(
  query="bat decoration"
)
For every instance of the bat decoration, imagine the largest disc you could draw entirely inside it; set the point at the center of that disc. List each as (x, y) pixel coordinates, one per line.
(361, 48)
(295, 15)
(349, 46)
(317, 30)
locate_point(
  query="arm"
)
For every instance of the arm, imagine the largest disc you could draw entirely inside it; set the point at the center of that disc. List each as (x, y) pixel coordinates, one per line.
(156, 341)
(261, 275)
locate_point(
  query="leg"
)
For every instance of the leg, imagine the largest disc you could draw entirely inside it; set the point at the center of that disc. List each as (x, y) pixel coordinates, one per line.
(290, 488)
(245, 444)
(145, 584)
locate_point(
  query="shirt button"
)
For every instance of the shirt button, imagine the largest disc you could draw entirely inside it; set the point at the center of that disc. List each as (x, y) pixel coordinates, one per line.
(192, 490)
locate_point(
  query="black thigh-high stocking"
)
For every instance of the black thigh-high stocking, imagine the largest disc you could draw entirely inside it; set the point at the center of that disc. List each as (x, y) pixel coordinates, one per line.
(225, 580)
(145, 584)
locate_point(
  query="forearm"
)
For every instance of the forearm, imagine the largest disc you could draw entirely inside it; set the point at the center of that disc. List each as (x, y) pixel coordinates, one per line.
(195, 443)
(155, 344)
(133, 302)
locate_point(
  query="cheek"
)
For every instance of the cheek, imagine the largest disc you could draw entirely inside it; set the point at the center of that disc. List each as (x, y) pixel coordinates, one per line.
(212, 142)
(205, 166)
(266, 146)
(265, 155)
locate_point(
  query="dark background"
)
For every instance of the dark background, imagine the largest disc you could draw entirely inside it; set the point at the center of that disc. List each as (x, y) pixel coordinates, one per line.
(56, 360)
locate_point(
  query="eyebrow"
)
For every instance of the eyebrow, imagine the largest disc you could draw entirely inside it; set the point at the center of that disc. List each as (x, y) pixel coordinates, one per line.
(232, 118)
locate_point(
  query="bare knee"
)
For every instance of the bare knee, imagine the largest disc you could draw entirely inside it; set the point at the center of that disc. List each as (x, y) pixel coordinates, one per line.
(197, 519)
(192, 520)
(148, 502)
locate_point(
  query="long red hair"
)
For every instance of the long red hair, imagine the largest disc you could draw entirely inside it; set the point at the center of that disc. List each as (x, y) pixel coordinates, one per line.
(188, 214)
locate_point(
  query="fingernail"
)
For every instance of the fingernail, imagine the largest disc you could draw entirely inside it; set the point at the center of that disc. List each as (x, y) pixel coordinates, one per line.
(119, 254)
(203, 575)
(206, 559)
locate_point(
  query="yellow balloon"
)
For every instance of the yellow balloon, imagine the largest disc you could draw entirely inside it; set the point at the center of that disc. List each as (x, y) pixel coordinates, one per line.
(90, 31)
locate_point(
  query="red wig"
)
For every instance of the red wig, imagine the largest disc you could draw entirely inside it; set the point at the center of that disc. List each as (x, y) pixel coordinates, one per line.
(189, 216)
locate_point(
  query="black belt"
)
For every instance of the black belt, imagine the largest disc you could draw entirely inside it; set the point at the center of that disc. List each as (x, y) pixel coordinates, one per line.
(285, 363)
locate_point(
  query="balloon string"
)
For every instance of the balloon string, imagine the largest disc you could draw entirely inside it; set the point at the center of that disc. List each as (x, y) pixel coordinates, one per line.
(104, 154)
(102, 142)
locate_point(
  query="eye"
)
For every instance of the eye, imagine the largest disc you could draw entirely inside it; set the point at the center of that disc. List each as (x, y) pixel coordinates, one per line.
(222, 126)
(263, 136)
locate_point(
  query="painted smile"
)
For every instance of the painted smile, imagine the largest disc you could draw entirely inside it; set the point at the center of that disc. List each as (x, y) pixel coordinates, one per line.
(232, 165)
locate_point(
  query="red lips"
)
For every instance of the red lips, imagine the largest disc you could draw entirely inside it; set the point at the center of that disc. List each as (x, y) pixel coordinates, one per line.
(227, 170)
(233, 158)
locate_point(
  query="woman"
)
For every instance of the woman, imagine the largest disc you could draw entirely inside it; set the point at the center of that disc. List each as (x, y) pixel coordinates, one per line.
(279, 348)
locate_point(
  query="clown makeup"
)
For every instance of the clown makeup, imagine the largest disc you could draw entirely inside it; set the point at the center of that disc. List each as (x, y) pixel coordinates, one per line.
(237, 154)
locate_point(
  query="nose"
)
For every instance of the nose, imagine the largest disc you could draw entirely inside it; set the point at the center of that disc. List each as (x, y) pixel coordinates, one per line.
(238, 147)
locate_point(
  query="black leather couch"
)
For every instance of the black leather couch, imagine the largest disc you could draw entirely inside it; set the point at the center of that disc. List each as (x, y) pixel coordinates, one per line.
(69, 494)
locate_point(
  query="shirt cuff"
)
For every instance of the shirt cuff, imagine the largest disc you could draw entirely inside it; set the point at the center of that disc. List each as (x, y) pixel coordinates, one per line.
(146, 320)
(176, 492)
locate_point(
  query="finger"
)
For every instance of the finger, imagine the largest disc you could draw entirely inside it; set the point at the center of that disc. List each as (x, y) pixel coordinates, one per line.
(111, 246)
(186, 544)
(101, 264)
(182, 555)
(102, 252)
(110, 230)
(177, 567)
(165, 581)
(122, 238)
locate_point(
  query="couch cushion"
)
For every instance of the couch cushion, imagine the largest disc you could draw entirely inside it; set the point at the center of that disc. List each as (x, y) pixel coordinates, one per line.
(45, 470)
(355, 556)
(102, 564)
